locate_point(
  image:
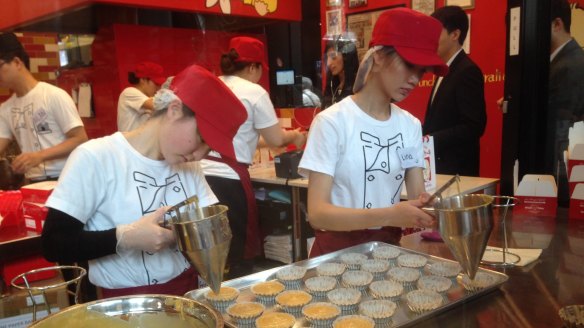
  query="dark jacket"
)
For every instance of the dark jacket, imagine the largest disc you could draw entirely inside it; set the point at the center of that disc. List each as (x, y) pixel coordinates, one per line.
(457, 118)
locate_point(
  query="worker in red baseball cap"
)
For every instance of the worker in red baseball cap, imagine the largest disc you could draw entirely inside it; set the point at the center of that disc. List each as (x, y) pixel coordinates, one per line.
(135, 102)
(114, 191)
(364, 149)
(243, 66)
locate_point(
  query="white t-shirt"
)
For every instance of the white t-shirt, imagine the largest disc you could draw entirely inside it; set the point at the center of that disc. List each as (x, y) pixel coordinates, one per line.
(361, 153)
(260, 115)
(106, 183)
(39, 120)
(130, 112)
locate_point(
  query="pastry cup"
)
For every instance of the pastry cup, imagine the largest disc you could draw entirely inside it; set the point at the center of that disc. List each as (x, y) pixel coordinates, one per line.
(267, 291)
(320, 285)
(377, 267)
(386, 290)
(226, 297)
(380, 311)
(445, 269)
(346, 298)
(331, 269)
(353, 260)
(388, 253)
(352, 321)
(245, 313)
(481, 280)
(405, 276)
(434, 283)
(291, 276)
(357, 279)
(412, 261)
(572, 316)
(321, 314)
(423, 300)
(275, 320)
(292, 301)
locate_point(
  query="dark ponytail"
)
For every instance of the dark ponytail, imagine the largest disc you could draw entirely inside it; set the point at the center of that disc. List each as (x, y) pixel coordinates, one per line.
(229, 66)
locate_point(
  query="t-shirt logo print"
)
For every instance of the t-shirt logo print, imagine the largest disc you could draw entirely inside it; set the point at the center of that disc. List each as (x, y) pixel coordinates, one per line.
(377, 164)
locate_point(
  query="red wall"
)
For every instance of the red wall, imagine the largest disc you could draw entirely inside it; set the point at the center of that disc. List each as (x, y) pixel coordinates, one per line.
(116, 51)
(487, 49)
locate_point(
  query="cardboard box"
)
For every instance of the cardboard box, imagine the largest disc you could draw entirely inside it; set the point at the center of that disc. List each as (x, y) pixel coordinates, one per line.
(538, 196)
(10, 208)
(576, 176)
(577, 203)
(38, 192)
(14, 268)
(34, 216)
(16, 307)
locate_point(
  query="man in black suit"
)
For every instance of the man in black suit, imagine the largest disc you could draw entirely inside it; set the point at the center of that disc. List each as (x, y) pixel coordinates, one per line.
(456, 114)
(566, 90)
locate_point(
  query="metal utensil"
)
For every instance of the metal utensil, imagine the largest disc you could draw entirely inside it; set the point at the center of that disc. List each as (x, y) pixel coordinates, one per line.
(176, 207)
(439, 191)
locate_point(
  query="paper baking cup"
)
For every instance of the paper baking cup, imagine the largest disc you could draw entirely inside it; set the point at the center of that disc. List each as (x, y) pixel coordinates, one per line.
(445, 269)
(412, 261)
(225, 298)
(351, 321)
(266, 291)
(331, 269)
(386, 253)
(357, 279)
(321, 314)
(380, 311)
(320, 285)
(353, 260)
(481, 280)
(435, 283)
(346, 298)
(245, 313)
(292, 301)
(572, 316)
(275, 320)
(405, 276)
(423, 300)
(386, 290)
(377, 267)
(291, 276)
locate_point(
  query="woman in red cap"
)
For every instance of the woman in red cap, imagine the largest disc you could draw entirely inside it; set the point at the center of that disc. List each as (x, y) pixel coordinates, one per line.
(115, 190)
(362, 150)
(242, 68)
(135, 102)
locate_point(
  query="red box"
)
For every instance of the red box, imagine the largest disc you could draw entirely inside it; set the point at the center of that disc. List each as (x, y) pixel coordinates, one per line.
(538, 196)
(575, 157)
(537, 206)
(11, 208)
(38, 192)
(577, 203)
(34, 216)
(16, 267)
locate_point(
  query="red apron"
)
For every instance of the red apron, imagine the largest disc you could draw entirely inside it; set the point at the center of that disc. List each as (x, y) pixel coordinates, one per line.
(178, 286)
(331, 241)
(253, 242)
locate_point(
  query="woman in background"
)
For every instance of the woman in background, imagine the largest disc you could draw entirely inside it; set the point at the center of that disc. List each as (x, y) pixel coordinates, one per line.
(135, 104)
(342, 63)
(362, 150)
(242, 67)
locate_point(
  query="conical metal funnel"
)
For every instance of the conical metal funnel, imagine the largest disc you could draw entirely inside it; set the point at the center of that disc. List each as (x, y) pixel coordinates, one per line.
(204, 237)
(465, 223)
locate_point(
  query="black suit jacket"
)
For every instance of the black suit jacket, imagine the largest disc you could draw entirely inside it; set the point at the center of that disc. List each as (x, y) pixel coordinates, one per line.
(457, 118)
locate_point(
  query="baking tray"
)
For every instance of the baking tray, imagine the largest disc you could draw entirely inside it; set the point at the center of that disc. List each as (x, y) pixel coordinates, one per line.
(403, 316)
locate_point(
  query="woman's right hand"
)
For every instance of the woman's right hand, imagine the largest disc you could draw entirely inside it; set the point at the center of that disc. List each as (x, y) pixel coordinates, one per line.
(145, 234)
(411, 215)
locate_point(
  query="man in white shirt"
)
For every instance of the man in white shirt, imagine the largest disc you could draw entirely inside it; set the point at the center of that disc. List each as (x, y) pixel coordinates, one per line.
(41, 118)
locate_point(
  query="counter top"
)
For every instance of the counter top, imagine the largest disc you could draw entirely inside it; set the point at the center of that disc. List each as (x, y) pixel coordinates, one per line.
(533, 294)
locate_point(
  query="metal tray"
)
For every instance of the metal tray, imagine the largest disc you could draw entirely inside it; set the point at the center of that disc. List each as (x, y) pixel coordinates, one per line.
(403, 316)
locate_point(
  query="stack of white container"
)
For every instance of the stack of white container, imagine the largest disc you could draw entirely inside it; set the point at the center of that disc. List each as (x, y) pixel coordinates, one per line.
(278, 248)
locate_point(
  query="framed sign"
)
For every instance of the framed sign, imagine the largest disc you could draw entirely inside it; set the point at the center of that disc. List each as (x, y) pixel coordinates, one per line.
(334, 24)
(333, 3)
(465, 4)
(361, 26)
(424, 6)
(357, 3)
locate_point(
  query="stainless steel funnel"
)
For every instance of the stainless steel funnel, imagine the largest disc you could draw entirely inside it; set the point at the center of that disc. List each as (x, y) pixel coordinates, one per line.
(205, 240)
(465, 223)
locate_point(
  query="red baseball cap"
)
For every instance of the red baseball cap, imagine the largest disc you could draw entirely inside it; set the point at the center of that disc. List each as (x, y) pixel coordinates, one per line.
(218, 112)
(150, 70)
(250, 50)
(413, 35)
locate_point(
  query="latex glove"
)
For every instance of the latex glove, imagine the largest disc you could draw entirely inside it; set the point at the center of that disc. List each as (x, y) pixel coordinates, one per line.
(145, 234)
